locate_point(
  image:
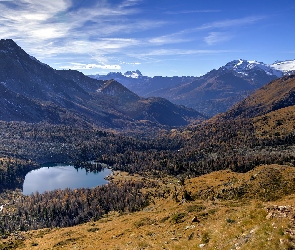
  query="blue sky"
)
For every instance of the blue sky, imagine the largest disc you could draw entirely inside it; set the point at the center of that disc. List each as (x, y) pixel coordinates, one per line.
(158, 37)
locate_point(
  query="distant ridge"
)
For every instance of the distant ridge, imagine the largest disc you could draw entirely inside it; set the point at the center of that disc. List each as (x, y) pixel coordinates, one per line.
(212, 93)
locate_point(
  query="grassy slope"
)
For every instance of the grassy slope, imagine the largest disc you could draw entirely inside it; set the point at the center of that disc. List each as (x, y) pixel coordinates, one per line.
(279, 122)
(222, 222)
(272, 96)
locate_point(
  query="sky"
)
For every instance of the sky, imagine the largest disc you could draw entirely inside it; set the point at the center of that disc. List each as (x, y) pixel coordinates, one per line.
(157, 37)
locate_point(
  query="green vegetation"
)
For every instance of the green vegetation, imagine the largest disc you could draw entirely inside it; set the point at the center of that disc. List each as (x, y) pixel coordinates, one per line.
(177, 218)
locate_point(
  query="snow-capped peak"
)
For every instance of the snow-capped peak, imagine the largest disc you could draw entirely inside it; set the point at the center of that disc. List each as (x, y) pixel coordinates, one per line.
(133, 74)
(244, 66)
(285, 66)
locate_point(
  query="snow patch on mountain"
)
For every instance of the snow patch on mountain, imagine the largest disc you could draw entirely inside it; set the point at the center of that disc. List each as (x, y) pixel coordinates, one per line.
(285, 66)
(133, 74)
(243, 67)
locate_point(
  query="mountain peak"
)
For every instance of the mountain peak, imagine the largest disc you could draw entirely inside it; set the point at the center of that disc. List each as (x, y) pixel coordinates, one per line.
(133, 74)
(285, 66)
(114, 88)
(7, 45)
(7, 42)
(243, 67)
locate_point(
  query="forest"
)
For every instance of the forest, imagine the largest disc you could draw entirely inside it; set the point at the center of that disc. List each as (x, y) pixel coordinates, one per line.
(183, 153)
(64, 208)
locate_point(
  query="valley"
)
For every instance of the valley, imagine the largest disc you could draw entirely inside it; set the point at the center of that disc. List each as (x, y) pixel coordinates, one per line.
(181, 179)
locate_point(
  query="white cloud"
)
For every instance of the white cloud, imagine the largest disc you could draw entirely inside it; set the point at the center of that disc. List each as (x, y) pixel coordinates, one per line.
(217, 37)
(169, 39)
(99, 36)
(29, 20)
(130, 63)
(190, 11)
(81, 66)
(231, 22)
(171, 52)
(48, 29)
(213, 37)
(129, 3)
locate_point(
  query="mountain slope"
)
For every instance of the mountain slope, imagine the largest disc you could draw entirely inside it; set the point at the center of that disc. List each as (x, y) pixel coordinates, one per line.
(155, 110)
(116, 89)
(273, 96)
(216, 219)
(17, 107)
(144, 85)
(218, 90)
(213, 93)
(86, 83)
(38, 92)
(24, 74)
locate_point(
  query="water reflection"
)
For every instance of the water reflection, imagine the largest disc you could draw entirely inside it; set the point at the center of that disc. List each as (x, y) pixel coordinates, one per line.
(61, 177)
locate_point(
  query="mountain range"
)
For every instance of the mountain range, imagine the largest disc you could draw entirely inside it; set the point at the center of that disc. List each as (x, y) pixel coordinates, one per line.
(212, 93)
(31, 91)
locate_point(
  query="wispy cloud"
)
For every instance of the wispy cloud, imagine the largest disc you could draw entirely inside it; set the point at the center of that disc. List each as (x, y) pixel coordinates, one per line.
(171, 52)
(231, 22)
(213, 37)
(81, 66)
(169, 39)
(217, 37)
(130, 3)
(190, 12)
(130, 63)
(32, 19)
(105, 34)
(49, 28)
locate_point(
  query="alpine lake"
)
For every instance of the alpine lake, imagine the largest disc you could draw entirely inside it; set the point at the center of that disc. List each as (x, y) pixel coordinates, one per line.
(61, 176)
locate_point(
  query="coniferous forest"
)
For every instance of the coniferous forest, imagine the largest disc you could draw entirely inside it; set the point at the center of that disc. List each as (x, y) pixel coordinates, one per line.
(183, 153)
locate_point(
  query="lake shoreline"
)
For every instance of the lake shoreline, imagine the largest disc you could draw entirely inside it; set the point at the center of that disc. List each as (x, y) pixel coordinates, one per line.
(62, 176)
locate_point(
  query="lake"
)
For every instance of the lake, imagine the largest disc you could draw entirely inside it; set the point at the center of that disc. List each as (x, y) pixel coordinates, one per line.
(61, 177)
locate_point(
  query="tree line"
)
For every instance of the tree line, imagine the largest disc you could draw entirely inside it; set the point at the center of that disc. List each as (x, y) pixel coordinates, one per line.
(64, 208)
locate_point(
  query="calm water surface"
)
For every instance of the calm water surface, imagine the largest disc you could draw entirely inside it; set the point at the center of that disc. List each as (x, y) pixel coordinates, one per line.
(61, 177)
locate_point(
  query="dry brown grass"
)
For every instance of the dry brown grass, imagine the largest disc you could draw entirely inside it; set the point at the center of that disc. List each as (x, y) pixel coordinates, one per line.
(268, 95)
(275, 124)
(167, 224)
(275, 90)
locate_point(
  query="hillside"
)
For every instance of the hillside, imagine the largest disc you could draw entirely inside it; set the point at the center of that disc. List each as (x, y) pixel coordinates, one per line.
(223, 210)
(187, 207)
(276, 95)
